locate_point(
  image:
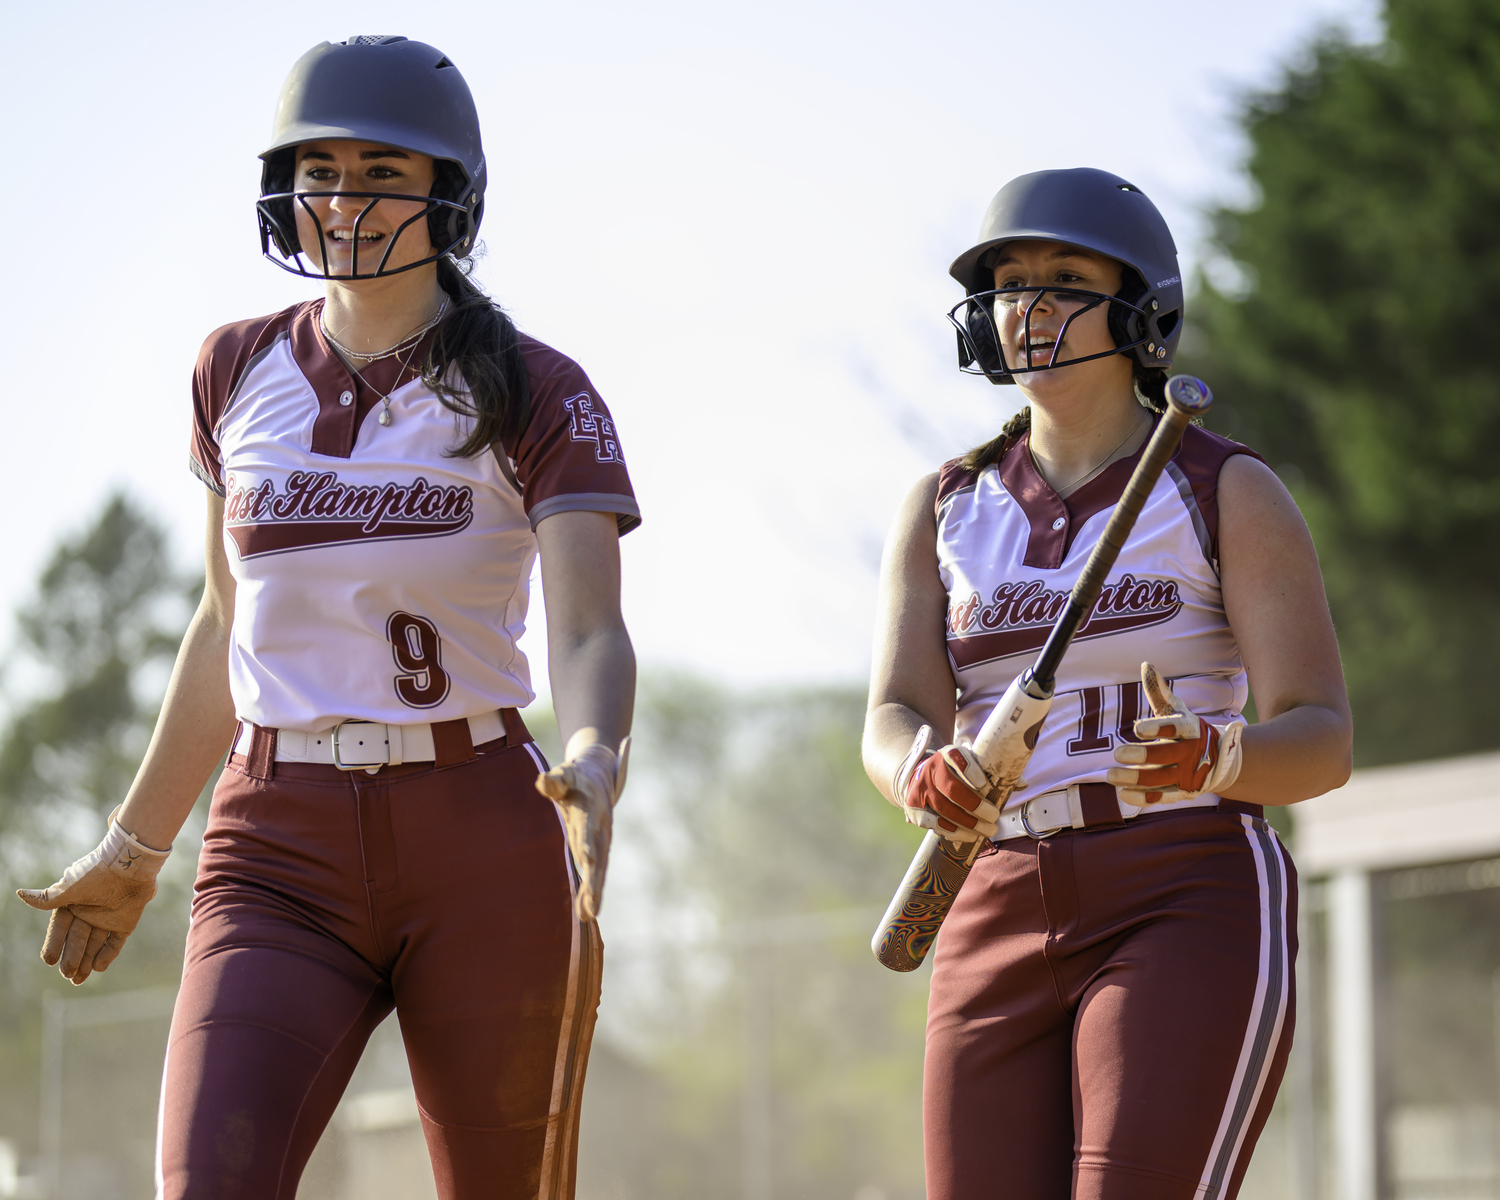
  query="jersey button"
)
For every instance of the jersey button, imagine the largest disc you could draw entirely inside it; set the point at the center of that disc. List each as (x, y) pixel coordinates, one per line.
(1059, 523)
(346, 398)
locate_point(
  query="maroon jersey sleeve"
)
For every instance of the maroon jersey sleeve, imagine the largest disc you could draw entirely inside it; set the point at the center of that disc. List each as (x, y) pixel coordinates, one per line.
(568, 459)
(228, 352)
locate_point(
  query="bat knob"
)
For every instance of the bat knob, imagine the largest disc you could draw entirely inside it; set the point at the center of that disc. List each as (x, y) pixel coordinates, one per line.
(1189, 394)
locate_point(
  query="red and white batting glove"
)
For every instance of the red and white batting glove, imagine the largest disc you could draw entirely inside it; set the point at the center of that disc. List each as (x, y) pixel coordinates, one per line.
(940, 790)
(586, 789)
(1182, 755)
(97, 903)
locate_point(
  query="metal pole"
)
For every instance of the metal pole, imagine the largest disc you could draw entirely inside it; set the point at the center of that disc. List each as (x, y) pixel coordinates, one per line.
(54, 1019)
(1495, 1027)
(1302, 1111)
(1352, 956)
(756, 1130)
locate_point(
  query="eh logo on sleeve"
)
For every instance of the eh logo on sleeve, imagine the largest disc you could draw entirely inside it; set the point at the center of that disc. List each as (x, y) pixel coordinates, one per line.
(586, 425)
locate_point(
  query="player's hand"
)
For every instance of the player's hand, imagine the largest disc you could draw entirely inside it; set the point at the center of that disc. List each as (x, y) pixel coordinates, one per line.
(942, 794)
(1181, 756)
(97, 903)
(586, 788)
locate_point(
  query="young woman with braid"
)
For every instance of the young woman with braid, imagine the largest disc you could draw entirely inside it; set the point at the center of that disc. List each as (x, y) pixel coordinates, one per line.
(1112, 997)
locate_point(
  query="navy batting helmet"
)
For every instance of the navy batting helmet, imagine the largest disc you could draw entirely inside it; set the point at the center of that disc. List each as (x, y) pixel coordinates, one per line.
(1093, 210)
(375, 88)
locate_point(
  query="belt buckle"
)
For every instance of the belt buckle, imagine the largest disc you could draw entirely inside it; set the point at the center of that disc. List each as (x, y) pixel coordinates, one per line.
(1026, 825)
(359, 766)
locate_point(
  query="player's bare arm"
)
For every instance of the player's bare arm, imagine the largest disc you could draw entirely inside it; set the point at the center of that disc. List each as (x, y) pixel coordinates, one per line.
(1274, 600)
(911, 684)
(909, 722)
(592, 668)
(192, 732)
(197, 717)
(589, 657)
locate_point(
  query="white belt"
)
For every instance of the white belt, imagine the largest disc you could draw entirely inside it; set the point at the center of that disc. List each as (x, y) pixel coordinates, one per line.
(352, 745)
(1044, 815)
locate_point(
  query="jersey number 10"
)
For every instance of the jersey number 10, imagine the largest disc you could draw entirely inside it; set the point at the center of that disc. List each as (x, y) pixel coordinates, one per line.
(1093, 735)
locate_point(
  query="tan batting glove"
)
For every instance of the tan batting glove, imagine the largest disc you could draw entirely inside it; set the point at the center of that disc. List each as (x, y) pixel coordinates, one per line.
(946, 791)
(1180, 755)
(97, 903)
(586, 789)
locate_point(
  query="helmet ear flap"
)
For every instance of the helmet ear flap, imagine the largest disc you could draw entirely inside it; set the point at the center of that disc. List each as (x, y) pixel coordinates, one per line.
(278, 218)
(1126, 325)
(983, 341)
(471, 236)
(979, 344)
(447, 226)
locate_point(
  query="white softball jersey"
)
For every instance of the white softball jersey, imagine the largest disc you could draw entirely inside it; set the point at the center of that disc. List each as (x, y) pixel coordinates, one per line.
(1009, 552)
(378, 577)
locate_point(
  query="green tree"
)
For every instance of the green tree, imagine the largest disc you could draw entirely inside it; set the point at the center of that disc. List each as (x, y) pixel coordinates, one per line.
(104, 625)
(1358, 354)
(93, 647)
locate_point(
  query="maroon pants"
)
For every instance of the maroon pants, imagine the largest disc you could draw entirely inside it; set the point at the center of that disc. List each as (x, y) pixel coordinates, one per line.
(326, 898)
(1111, 1013)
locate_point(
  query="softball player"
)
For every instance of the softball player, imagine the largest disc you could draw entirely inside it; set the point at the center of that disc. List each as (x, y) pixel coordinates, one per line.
(1112, 993)
(384, 466)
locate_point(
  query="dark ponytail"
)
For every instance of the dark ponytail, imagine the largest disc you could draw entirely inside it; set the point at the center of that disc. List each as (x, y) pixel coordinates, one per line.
(475, 366)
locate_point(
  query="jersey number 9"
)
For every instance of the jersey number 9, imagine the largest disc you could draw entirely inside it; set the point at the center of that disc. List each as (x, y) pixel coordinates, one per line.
(418, 652)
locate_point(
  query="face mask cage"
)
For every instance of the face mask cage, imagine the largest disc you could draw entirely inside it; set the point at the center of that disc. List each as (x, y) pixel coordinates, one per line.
(981, 346)
(278, 231)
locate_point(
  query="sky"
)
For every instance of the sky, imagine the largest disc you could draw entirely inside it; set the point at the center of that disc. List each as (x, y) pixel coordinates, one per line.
(737, 218)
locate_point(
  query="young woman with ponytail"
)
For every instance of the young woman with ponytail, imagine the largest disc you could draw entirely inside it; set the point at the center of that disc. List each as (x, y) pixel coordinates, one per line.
(384, 465)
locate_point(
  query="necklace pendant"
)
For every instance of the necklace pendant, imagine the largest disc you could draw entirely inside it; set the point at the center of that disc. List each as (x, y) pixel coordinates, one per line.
(385, 416)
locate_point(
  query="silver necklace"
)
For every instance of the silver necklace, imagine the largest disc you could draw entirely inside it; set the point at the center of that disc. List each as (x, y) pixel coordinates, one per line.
(385, 397)
(1103, 462)
(408, 340)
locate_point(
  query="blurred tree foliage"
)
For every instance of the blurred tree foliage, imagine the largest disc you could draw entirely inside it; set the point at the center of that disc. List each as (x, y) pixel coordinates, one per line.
(108, 609)
(772, 858)
(1356, 350)
(94, 648)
